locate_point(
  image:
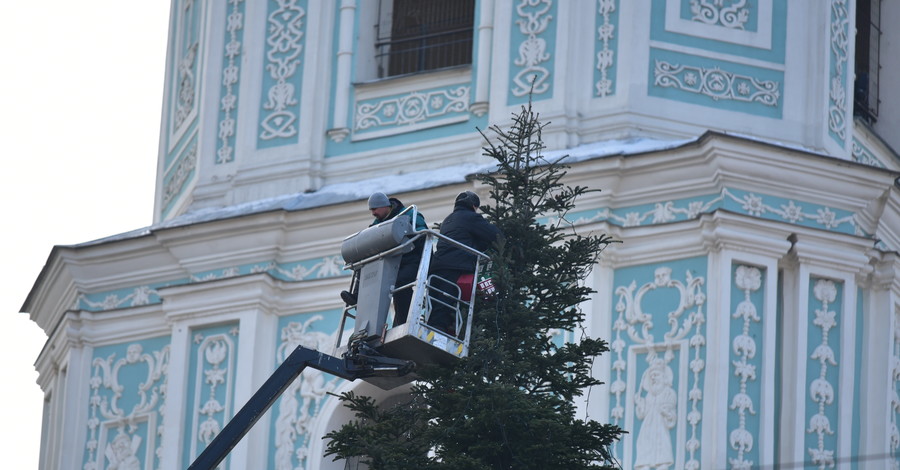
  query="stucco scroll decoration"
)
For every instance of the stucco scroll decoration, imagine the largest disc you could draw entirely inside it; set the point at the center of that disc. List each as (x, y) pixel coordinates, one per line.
(329, 266)
(412, 108)
(184, 102)
(107, 391)
(606, 56)
(180, 175)
(791, 212)
(138, 296)
(716, 83)
(533, 21)
(655, 399)
(187, 18)
(230, 74)
(300, 403)
(895, 397)
(859, 153)
(840, 52)
(284, 43)
(821, 391)
(218, 354)
(748, 279)
(715, 12)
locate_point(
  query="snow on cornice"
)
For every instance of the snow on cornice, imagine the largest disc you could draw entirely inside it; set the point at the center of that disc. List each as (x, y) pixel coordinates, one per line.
(339, 193)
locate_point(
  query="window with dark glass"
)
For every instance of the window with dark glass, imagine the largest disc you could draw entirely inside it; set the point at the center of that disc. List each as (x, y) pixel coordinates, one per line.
(868, 48)
(419, 35)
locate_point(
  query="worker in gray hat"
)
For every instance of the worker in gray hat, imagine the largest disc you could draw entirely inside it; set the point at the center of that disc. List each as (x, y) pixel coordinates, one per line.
(385, 208)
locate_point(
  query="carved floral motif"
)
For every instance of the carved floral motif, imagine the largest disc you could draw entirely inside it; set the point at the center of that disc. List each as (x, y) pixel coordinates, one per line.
(412, 108)
(216, 355)
(838, 101)
(606, 55)
(285, 27)
(749, 280)
(716, 83)
(533, 51)
(859, 153)
(894, 441)
(230, 75)
(179, 176)
(821, 391)
(716, 12)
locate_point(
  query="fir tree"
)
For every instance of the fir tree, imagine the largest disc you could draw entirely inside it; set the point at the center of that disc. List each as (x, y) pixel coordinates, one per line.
(509, 405)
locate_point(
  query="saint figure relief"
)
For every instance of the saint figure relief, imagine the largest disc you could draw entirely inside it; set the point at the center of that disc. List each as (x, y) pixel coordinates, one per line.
(656, 405)
(122, 453)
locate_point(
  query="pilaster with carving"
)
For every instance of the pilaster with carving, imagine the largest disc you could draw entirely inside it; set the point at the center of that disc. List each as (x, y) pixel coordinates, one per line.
(299, 405)
(606, 52)
(744, 366)
(284, 46)
(234, 27)
(127, 408)
(210, 386)
(532, 54)
(822, 391)
(663, 405)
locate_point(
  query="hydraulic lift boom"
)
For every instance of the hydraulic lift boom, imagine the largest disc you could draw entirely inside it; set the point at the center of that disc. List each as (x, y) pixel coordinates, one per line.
(375, 353)
(361, 361)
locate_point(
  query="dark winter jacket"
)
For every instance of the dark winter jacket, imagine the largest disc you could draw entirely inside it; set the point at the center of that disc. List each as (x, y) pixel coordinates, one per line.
(469, 228)
(413, 257)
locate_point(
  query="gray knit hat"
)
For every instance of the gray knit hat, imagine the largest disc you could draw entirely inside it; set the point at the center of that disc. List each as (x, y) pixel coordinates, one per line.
(377, 200)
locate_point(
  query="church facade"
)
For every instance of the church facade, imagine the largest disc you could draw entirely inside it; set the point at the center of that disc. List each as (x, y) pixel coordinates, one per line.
(744, 150)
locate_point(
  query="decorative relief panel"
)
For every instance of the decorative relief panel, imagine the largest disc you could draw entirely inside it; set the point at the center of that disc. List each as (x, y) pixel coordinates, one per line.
(838, 101)
(210, 386)
(532, 49)
(298, 408)
(894, 412)
(741, 28)
(716, 84)
(744, 388)
(860, 154)
(606, 46)
(283, 75)
(188, 17)
(319, 268)
(724, 54)
(127, 405)
(422, 109)
(822, 372)
(732, 14)
(231, 71)
(658, 353)
(741, 202)
(177, 177)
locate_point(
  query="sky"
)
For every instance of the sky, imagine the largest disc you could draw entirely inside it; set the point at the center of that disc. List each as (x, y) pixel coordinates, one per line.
(81, 99)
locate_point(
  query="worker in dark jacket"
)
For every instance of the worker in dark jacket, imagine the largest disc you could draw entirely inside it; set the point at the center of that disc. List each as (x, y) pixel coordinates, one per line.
(383, 209)
(454, 264)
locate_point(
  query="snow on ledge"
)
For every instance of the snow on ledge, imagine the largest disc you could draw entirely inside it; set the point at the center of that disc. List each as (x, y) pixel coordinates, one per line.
(392, 184)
